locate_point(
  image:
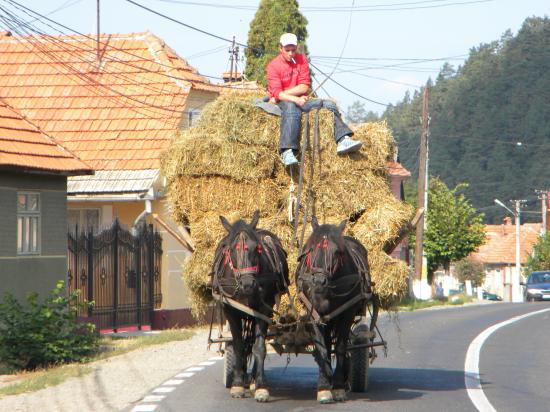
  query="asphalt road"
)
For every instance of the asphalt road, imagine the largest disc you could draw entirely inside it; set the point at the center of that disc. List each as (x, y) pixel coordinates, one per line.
(424, 369)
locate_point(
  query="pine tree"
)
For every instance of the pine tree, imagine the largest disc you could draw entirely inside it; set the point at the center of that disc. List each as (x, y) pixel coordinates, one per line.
(273, 18)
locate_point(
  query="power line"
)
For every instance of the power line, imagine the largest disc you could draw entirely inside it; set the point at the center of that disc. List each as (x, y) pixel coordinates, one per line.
(366, 8)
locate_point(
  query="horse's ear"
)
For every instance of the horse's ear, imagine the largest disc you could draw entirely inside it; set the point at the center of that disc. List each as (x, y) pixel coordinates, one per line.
(314, 222)
(226, 224)
(342, 225)
(255, 219)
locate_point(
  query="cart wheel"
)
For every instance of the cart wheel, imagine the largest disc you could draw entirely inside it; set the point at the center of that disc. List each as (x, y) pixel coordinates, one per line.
(228, 365)
(359, 359)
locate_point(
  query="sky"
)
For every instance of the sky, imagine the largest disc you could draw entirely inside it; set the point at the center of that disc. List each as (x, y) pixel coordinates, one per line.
(344, 35)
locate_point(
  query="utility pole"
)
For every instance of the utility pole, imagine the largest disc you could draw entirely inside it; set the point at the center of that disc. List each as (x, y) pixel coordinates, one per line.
(233, 56)
(516, 293)
(420, 264)
(543, 196)
(98, 31)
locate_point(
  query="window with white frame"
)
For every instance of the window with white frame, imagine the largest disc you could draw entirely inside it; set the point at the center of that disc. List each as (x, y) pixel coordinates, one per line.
(84, 219)
(28, 223)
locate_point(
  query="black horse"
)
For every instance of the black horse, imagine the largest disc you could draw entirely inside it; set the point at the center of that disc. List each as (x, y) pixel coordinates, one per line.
(250, 272)
(333, 283)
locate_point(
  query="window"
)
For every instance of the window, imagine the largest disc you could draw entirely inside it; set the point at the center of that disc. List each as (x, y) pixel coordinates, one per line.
(83, 218)
(28, 223)
(193, 116)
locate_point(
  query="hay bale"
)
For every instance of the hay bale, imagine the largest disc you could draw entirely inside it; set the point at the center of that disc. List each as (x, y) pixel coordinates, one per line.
(199, 195)
(390, 277)
(382, 221)
(194, 154)
(233, 118)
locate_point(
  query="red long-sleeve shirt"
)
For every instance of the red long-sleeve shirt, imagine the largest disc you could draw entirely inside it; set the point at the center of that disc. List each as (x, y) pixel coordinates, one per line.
(283, 75)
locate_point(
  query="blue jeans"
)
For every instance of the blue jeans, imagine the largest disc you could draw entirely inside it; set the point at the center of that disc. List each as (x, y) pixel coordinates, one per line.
(291, 117)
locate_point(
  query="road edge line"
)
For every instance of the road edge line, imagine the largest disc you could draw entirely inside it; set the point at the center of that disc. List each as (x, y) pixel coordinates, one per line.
(472, 379)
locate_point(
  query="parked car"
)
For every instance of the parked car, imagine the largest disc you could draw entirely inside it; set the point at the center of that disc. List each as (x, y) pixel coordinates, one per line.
(491, 296)
(537, 286)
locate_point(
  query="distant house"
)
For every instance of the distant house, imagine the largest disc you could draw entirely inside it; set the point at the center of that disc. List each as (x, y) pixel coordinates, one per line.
(33, 205)
(498, 254)
(398, 174)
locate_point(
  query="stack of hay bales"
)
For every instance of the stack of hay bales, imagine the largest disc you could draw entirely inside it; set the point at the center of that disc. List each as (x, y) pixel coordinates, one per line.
(229, 165)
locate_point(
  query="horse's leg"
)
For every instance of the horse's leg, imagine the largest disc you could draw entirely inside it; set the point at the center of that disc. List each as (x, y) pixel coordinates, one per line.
(235, 325)
(343, 327)
(261, 393)
(321, 356)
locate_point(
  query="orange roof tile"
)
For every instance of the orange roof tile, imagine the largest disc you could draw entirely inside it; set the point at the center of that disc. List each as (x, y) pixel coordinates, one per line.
(500, 245)
(24, 147)
(138, 93)
(397, 169)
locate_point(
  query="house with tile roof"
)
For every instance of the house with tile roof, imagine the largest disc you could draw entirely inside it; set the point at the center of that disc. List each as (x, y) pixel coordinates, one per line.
(116, 104)
(498, 253)
(33, 199)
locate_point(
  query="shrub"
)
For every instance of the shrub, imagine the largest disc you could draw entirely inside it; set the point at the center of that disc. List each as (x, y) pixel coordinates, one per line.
(38, 334)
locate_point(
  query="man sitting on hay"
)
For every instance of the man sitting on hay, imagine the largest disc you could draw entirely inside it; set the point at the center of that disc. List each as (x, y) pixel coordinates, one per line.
(288, 84)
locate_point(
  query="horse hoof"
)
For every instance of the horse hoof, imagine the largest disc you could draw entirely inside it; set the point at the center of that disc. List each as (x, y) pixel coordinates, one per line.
(237, 392)
(261, 395)
(325, 397)
(339, 395)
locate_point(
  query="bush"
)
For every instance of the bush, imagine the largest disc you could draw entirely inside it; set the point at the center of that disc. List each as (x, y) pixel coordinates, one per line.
(38, 334)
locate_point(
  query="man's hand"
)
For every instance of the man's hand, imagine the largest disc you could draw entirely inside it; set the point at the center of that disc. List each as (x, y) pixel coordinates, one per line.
(301, 100)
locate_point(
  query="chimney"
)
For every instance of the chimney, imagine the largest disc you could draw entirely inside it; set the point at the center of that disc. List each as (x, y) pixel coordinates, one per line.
(230, 77)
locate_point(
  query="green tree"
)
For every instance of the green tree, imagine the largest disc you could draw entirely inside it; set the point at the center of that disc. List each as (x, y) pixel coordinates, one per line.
(454, 229)
(470, 269)
(540, 258)
(357, 113)
(273, 18)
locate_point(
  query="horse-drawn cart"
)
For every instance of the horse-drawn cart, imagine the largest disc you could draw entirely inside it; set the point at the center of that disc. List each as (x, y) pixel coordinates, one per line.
(295, 337)
(327, 317)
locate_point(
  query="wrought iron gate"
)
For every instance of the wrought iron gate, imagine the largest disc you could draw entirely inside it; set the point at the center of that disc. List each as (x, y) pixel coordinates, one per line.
(119, 272)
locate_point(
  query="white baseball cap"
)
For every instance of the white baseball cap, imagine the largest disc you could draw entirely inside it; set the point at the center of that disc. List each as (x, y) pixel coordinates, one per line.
(288, 39)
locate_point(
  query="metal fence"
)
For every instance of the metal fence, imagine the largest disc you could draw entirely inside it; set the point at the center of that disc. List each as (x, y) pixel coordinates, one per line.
(119, 272)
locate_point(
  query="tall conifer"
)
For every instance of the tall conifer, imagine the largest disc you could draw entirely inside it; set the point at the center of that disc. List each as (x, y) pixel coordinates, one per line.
(273, 18)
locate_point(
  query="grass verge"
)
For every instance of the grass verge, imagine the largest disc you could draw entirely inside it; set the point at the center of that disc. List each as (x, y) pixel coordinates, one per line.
(408, 304)
(110, 346)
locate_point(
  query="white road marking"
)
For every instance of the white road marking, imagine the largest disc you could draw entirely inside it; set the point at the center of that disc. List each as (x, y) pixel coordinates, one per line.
(216, 358)
(207, 363)
(144, 408)
(172, 382)
(184, 375)
(153, 398)
(471, 365)
(163, 389)
(194, 369)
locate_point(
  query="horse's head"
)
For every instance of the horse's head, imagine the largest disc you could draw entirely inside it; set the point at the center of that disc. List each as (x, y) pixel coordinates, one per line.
(322, 256)
(242, 252)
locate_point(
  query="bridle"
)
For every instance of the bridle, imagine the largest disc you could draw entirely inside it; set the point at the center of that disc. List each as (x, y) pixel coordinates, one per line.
(241, 248)
(238, 268)
(319, 274)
